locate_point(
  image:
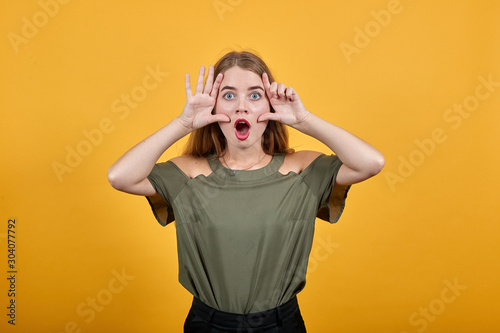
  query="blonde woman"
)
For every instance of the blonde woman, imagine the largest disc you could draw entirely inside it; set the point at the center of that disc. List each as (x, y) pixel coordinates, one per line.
(244, 203)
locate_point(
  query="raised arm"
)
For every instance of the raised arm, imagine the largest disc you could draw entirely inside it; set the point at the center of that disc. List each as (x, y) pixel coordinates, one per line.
(360, 159)
(129, 173)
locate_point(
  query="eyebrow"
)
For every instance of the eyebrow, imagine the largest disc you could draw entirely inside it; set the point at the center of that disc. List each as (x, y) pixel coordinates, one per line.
(250, 88)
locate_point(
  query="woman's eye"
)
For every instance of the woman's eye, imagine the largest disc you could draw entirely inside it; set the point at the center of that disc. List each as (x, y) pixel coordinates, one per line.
(255, 96)
(228, 95)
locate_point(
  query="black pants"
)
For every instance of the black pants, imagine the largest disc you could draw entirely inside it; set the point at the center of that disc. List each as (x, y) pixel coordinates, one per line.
(285, 318)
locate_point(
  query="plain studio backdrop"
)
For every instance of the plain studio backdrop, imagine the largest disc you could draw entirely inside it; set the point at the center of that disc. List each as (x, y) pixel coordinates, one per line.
(416, 249)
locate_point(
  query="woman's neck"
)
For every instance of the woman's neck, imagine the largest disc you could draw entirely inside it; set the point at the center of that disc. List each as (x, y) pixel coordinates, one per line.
(240, 159)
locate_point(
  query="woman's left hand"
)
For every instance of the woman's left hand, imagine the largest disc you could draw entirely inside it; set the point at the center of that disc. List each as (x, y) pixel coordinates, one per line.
(286, 103)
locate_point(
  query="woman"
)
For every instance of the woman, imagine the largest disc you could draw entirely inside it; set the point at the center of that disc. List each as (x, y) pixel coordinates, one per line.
(243, 201)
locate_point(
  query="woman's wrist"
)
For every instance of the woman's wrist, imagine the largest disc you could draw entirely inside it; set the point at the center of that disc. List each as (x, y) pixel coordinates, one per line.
(305, 124)
(182, 126)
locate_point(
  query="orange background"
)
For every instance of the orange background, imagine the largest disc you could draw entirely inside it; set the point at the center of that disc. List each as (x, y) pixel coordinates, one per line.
(417, 247)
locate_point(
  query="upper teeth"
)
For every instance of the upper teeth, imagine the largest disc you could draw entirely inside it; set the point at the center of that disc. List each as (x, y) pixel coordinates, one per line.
(241, 122)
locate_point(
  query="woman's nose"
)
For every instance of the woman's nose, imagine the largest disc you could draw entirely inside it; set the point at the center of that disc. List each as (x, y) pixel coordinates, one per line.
(242, 106)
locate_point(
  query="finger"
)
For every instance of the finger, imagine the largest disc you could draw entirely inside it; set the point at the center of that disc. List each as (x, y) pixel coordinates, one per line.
(267, 84)
(189, 92)
(217, 83)
(223, 118)
(273, 90)
(281, 90)
(199, 84)
(210, 80)
(268, 116)
(290, 93)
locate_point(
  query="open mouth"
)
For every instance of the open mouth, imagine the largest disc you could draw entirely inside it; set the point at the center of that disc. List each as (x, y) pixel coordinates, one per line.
(242, 129)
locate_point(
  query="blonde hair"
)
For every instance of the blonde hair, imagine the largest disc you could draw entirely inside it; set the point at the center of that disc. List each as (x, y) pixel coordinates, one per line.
(210, 140)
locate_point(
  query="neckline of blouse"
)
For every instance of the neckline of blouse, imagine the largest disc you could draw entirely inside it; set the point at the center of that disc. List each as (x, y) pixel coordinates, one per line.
(245, 175)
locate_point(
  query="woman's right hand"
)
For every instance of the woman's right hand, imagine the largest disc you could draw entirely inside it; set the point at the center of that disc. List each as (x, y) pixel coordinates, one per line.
(197, 112)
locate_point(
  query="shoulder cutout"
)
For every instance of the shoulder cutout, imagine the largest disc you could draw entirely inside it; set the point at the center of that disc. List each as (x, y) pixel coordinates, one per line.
(192, 166)
(298, 161)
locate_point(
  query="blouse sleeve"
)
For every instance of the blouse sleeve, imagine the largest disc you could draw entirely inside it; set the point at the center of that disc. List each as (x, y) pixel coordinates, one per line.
(167, 180)
(320, 177)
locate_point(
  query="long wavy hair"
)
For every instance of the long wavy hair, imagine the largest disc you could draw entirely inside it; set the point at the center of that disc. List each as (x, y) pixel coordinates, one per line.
(210, 140)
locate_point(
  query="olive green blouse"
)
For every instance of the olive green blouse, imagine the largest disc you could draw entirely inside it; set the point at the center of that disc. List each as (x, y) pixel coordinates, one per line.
(244, 241)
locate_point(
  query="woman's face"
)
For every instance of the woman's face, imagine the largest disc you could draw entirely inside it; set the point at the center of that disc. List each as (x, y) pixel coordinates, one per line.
(242, 97)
